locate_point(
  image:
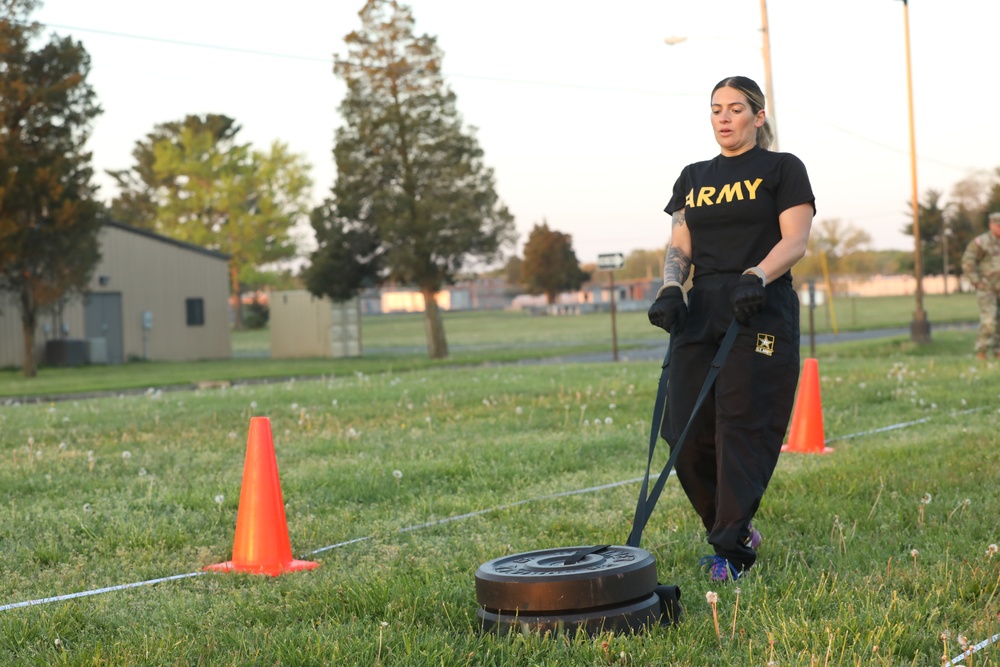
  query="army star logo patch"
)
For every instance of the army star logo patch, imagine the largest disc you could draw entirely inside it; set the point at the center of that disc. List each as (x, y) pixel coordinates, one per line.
(765, 344)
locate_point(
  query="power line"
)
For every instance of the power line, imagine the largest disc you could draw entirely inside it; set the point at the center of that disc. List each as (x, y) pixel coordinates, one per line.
(178, 42)
(272, 54)
(479, 77)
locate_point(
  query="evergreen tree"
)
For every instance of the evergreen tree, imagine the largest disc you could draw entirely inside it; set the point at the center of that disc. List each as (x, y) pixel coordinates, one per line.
(413, 202)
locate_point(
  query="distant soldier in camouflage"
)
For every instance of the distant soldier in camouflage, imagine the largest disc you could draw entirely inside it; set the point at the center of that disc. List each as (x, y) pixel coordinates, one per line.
(981, 265)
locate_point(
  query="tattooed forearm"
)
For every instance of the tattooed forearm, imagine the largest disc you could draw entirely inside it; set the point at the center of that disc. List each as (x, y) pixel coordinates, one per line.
(677, 265)
(677, 219)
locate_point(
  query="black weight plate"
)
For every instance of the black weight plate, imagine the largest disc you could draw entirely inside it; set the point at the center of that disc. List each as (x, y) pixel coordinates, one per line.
(630, 617)
(541, 581)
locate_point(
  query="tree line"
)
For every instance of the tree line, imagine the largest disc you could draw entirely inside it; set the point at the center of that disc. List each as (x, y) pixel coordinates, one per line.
(413, 202)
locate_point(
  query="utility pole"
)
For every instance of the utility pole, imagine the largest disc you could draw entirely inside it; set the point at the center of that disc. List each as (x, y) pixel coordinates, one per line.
(768, 85)
(920, 328)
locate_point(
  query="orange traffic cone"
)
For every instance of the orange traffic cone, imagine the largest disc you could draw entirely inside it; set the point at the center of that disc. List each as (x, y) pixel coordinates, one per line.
(806, 433)
(261, 545)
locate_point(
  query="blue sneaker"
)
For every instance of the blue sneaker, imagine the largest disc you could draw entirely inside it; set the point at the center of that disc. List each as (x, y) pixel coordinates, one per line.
(720, 568)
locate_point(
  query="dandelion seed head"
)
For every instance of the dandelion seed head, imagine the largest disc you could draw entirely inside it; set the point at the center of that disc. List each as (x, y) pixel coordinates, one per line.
(62, 446)
(231, 435)
(126, 455)
(926, 500)
(253, 405)
(398, 474)
(914, 553)
(711, 597)
(611, 406)
(518, 410)
(86, 507)
(609, 421)
(385, 624)
(219, 499)
(142, 472)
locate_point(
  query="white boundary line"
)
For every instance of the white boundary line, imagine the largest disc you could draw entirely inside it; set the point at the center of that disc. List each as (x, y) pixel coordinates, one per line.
(150, 582)
(900, 425)
(978, 647)
(458, 517)
(98, 591)
(498, 508)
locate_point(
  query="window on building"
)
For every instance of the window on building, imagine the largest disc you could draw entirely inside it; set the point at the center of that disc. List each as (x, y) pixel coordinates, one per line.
(195, 312)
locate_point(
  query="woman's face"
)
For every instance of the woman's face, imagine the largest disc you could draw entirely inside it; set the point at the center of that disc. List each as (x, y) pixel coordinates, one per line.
(734, 122)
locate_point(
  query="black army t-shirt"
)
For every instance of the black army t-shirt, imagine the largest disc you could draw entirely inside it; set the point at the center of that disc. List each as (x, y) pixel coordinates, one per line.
(731, 205)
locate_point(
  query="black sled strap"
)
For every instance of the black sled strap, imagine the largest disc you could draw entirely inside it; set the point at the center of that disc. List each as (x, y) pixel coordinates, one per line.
(644, 507)
(580, 554)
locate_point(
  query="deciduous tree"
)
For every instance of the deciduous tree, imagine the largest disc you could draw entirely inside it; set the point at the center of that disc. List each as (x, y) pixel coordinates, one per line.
(48, 215)
(844, 246)
(413, 202)
(193, 182)
(550, 265)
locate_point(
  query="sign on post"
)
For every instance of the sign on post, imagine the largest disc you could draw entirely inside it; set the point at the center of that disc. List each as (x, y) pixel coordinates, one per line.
(612, 260)
(609, 262)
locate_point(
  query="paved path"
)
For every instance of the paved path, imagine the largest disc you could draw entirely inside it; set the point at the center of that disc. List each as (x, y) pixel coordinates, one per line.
(647, 350)
(654, 350)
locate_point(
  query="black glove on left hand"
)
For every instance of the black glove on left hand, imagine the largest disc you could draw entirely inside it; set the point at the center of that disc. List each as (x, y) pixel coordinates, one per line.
(748, 298)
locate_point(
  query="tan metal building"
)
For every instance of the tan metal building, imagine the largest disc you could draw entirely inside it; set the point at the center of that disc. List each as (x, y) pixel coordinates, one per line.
(151, 297)
(304, 326)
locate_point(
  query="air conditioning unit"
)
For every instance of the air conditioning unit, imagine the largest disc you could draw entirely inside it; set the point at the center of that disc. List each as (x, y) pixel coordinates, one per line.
(98, 350)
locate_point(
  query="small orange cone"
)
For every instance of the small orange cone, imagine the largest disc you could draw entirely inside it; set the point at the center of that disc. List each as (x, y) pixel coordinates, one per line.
(261, 545)
(806, 433)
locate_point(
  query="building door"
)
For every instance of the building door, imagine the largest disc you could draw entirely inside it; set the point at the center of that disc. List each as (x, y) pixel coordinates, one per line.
(102, 326)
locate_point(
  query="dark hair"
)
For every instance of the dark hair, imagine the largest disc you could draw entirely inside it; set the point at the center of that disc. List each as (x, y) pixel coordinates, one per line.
(750, 90)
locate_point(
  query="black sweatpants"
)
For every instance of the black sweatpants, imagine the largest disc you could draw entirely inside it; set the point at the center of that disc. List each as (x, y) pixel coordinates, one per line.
(733, 445)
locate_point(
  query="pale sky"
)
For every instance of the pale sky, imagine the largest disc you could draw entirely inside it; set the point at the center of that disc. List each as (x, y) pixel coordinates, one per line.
(584, 113)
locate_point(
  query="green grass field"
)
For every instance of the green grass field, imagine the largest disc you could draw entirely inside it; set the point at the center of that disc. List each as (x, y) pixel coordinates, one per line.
(871, 554)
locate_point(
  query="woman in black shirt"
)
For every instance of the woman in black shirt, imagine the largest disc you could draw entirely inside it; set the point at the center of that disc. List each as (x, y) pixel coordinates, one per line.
(742, 220)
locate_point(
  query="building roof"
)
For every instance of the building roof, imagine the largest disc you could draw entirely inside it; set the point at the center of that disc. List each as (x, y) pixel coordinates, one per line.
(166, 239)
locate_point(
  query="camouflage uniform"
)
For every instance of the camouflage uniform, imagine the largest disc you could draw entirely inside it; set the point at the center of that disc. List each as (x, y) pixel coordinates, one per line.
(981, 265)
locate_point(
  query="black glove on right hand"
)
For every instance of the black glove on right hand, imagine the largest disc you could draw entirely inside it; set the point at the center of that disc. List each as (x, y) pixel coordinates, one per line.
(669, 312)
